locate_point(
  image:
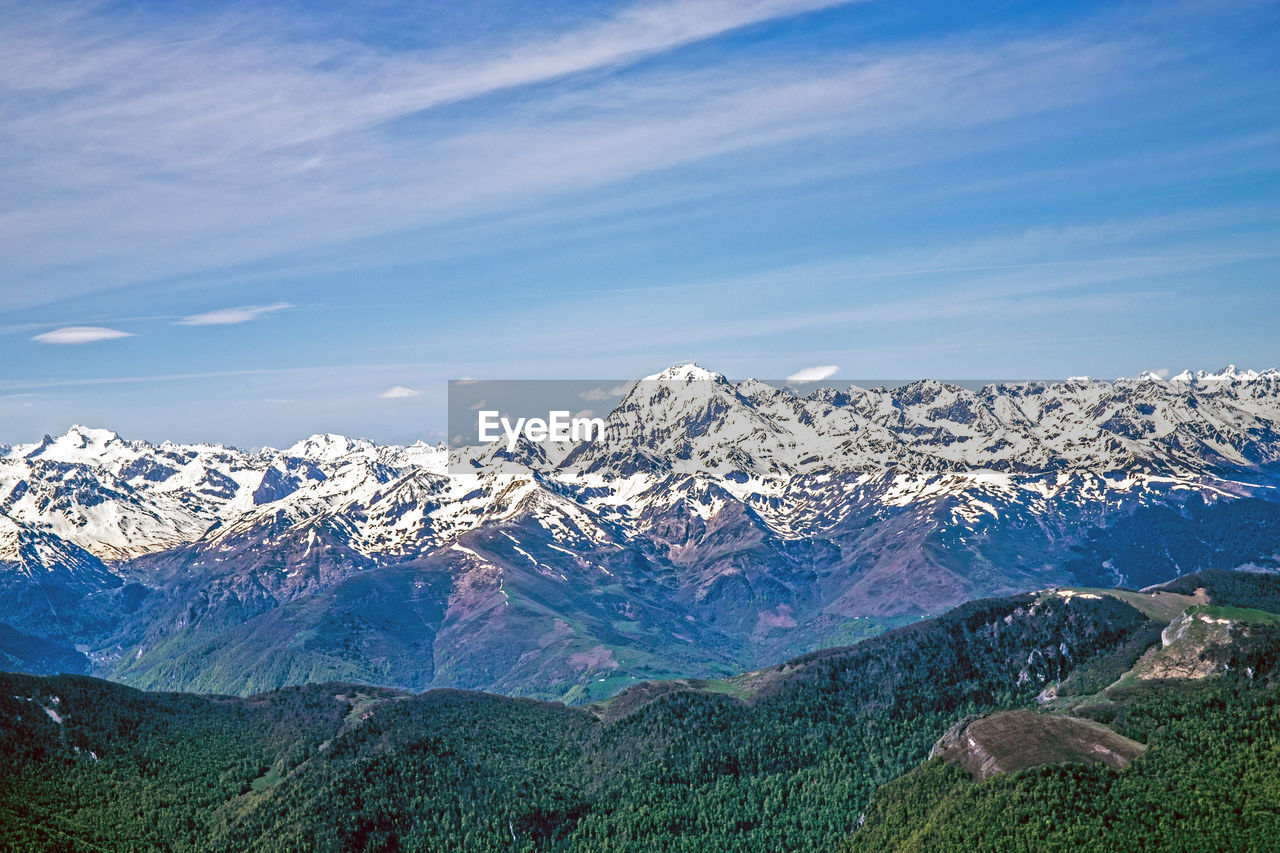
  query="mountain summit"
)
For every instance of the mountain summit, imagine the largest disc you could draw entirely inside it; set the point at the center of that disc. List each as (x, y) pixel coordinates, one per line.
(717, 525)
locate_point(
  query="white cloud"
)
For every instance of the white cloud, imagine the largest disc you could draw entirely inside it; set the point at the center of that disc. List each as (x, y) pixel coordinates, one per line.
(231, 316)
(814, 374)
(80, 335)
(396, 392)
(596, 394)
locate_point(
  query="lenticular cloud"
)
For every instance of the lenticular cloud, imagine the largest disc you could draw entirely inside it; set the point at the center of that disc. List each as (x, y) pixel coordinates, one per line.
(80, 335)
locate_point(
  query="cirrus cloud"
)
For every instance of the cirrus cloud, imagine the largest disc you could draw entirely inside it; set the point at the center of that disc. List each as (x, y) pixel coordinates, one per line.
(231, 316)
(80, 335)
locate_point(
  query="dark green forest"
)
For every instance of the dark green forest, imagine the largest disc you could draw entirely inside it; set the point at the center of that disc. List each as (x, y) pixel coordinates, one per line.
(793, 757)
(1207, 782)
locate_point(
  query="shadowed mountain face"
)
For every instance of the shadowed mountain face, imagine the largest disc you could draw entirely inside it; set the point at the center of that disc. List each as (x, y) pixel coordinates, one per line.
(717, 526)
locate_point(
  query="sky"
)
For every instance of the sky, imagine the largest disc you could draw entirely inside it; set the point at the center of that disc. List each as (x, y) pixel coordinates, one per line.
(249, 222)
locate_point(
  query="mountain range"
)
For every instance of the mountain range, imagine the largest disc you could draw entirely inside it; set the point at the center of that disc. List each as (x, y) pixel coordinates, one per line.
(718, 526)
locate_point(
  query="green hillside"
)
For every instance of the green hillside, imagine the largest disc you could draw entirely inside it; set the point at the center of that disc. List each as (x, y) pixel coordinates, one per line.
(1185, 761)
(1207, 781)
(791, 757)
(690, 769)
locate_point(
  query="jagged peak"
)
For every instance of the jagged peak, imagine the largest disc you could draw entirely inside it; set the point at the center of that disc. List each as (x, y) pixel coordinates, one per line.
(91, 435)
(327, 445)
(1230, 373)
(78, 444)
(686, 372)
(926, 391)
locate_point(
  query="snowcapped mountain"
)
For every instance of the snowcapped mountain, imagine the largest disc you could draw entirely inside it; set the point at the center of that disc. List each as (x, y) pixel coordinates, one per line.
(718, 524)
(1226, 374)
(35, 554)
(122, 499)
(707, 425)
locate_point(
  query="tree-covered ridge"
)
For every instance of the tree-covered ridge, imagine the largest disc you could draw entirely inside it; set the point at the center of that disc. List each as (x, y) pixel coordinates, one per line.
(1207, 782)
(335, 766)
(792, 757)
(91, 764)
(1156, 543)
(1232, 589)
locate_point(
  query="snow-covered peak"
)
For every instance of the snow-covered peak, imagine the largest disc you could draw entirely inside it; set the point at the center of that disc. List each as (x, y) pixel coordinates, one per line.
(328, 447)
(90, 435)
(120, 499)
(1230, 373)
(687, 372)
(420, 454)
(78, 444)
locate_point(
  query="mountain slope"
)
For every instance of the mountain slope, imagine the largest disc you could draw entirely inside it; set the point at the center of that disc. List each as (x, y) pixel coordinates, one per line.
(342, 766)
(1182, 761)
(719, 526)
(781, 758)
(1205, 782)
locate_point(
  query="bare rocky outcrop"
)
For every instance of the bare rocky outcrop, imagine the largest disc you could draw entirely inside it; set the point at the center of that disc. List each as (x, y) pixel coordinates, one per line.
(1016, 740)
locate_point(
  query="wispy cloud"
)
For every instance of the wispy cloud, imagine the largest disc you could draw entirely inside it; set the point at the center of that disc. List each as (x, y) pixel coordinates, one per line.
(814, 374)
(594, 395)
(397, 392)
(209, 125)
(231, 316)
(1082, 270)
(80, 335)
(225, 147)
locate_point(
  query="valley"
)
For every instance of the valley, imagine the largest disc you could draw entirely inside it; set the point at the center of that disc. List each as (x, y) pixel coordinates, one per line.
(824, 751)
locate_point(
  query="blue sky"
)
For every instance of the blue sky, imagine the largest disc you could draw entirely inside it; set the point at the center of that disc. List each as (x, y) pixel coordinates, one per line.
(269, 216)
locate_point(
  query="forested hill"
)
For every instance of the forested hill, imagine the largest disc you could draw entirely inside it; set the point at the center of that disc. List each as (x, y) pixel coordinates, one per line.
(1207, 781)
(786, 758)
